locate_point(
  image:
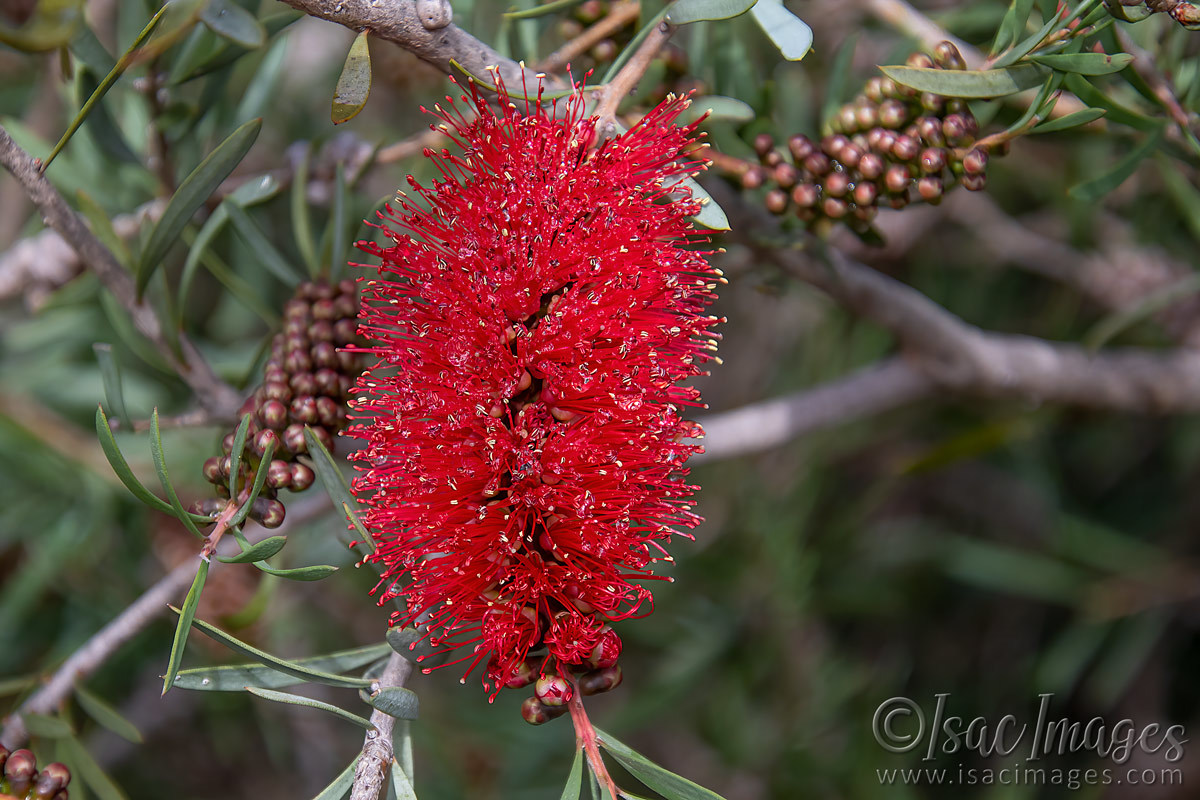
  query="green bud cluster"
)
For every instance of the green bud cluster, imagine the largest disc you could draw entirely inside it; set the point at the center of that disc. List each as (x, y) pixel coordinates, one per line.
(891, 145)
(21, 779)
(306, 383)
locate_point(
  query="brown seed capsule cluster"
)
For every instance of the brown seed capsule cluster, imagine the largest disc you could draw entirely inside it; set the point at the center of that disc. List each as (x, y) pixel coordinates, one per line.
(306, 383)
(22, 780)
(890, 146)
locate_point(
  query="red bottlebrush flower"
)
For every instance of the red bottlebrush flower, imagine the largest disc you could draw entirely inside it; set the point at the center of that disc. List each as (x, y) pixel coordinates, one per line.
(533, 316)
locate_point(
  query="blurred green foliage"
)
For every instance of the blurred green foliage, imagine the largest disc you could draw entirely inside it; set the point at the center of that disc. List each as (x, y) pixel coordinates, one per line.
(991, 550)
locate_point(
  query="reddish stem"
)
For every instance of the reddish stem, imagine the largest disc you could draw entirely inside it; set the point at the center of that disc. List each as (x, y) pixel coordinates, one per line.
(222, 525)
(585, 737)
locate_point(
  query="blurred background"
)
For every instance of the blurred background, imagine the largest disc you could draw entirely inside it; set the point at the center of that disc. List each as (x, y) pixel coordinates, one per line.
(988, 550)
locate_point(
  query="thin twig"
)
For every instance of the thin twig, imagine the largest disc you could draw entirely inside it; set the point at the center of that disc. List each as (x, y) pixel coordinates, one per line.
(211, 391)
(621, 14)
(625, 81)
(761, 426)
(398, 21)
(585, 738)
(88, 658)
(370, 776)
(412, 146)
(109, 639)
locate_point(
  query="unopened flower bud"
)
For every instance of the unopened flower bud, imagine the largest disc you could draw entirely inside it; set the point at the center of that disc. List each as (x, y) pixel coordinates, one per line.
(606, 652)
(974, 183)
(273, 414)
(552, 690)
(847, 119)
(212, 470)
(850, 155)
(753, 177)
(763, 144)
(279, 474)
(835, 208)
(302, 477)
(871, 166)
(806, 195)
(601, 680)
(930, 130)
(933, 160)
(20, 768)
(818, 164)
(906, 148)
(786, 175)
(801, 147)
(865, 116)
(947, 56)
(836, 184)
(776, 201)
(920, 61)
(865, 193)
(535, 712)
(524, 675)
(975, 162)
(832, 145)
(931, 189)
(897, 178)
(269, 513)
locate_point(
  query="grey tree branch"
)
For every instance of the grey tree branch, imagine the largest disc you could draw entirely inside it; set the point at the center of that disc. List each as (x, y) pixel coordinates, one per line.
(109, 639)
(88, 658)
(398, 21)
(370, 776)
(210, 390)
(762, 426)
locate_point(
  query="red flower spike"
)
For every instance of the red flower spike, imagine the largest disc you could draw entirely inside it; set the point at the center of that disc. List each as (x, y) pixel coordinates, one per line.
(535, 312)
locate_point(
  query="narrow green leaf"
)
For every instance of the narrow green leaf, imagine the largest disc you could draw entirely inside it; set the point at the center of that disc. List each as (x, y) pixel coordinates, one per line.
(1145, 307)
(1185, 195)
(294, 668)
(90, 773)
(259, 551)
(104, 129)
(236, 677)
(256, 240)
(260, 479)
(240, 288)
(788, 32)
(107, 716)
(711, 215)
(410, 643)
(341, 784)
(10, 686)
(401, 783)
(683, 12)
(970, 83)
(839, 75)
(575, 778)
(235, 455)
(160, 465)
(633, 45)
(716, 107)
(335, 484)
(308, 702)
(402, 736)
(1094, 98)
(301, 222)
(1013, 24)
(1043, 103)
(1097, 188)
(1070, 121)
(46, 727)
(1028, 45)
(102, 226)
(315, 572)
(192, 193)
(106, 84)
(230, 21)
(110, 373)
(1085, 63)
(108, 444)
(1127, 13)
(186, 617)
(88, 49)
(397, 701)
(337, 223)
(542, 10)
(354, 84)
(666, 783)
